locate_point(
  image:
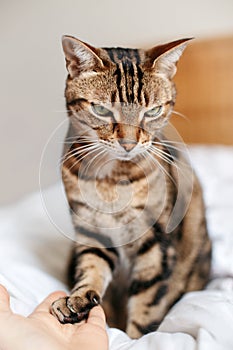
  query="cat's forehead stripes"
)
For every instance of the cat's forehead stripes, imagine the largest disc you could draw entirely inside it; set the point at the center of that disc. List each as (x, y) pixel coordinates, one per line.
(128, 74)
(119, 55)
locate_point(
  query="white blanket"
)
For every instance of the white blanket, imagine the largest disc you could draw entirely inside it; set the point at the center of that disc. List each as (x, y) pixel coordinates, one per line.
(34, 256)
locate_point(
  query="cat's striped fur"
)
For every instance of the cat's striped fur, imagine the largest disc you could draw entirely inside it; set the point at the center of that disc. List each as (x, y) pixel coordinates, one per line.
(118, 101)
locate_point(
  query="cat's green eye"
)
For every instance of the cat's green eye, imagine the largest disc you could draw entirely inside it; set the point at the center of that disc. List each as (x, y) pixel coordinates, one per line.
(154, 112)
(101, 110)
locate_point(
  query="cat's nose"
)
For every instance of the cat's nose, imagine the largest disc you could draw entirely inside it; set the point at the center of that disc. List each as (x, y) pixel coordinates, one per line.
(128, 145)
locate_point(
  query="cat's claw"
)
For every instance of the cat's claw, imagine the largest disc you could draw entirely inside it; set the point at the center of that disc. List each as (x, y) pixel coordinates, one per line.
(75, 308)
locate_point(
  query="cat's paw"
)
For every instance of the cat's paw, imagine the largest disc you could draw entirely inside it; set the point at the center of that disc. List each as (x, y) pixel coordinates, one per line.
(75, 308)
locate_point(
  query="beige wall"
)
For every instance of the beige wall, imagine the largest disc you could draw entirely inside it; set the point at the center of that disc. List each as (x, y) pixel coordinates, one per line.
(32, 66)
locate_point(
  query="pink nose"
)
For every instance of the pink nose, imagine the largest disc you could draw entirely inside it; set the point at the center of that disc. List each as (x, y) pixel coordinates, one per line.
(128, 145)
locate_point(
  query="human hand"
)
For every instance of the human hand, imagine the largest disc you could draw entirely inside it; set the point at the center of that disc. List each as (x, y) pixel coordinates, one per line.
(41, 330)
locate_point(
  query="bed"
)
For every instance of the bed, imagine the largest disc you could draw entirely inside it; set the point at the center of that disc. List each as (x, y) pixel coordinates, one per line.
(34, 254)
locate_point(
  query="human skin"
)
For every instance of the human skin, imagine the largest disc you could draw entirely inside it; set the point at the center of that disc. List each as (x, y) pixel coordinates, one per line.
(41, 330)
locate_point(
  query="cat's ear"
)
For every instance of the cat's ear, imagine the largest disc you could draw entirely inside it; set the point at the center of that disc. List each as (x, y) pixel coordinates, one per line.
(163, 58)
(80, 57)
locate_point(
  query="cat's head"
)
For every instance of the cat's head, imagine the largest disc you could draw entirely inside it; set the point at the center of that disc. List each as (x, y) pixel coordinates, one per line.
(120, 98)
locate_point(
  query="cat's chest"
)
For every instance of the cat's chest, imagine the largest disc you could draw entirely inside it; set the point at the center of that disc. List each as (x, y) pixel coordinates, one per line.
(123, 211)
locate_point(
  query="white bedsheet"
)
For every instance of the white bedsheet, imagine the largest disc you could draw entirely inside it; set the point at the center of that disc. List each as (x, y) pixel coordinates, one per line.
(34, 255)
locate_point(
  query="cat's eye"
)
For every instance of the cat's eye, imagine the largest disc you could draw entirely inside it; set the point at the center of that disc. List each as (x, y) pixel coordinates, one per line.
(101, 110)
(154, 112)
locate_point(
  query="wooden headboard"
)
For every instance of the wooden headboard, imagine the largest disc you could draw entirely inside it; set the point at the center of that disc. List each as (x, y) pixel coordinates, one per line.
(205, 92)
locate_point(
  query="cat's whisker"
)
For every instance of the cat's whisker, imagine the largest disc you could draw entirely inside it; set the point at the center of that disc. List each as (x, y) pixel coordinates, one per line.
(161, 155)
(92, 161)
(74, 141)
(85, 145)
(74, 152)
(181, 115)
(80, 138)
(77, 161)
(163, 143)
(79, 141)
(80, 150)
(164, 156)
(83, 157)
(178, 167)
(169, 141)
(157, 163)
(162, 151)
(165, 159)
(171, 157)
(100, 157)
(162, 168)
(77, 152)
(143, 154)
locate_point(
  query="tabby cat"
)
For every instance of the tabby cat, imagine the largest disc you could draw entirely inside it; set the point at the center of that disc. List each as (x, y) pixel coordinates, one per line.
(121, 180)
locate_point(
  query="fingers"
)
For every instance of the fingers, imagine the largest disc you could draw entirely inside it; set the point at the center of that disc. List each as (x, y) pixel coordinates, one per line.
(45, 305)
(97, 317)
(4, 299)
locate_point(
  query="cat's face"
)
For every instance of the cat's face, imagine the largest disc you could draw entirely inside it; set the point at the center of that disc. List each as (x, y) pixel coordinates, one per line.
(120, 98)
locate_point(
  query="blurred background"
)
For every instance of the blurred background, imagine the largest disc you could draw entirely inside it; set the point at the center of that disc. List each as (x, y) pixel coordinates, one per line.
(32, 68)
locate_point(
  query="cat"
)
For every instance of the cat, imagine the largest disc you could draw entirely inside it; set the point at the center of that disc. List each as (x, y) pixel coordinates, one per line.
(121, 182)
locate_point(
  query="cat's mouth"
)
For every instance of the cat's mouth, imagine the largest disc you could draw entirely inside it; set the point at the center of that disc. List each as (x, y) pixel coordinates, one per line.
(122, 152)
(125, 151)
(126, 156)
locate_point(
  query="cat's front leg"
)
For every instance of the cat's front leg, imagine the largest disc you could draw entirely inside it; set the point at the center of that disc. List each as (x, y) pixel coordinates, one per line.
(92, 274)
(144, 314)
(149, 289)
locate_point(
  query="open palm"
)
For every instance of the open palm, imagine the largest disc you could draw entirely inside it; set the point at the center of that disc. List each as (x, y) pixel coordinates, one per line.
(41, 330)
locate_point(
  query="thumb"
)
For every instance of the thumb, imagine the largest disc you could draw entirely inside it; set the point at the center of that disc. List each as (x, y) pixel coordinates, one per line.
(4, 299)
(97, 317)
